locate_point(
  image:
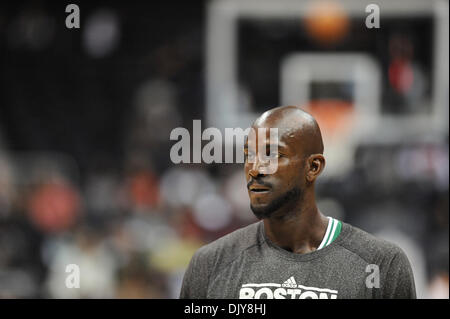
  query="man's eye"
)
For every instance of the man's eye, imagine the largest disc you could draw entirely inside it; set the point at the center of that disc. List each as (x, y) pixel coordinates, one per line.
(274, 155)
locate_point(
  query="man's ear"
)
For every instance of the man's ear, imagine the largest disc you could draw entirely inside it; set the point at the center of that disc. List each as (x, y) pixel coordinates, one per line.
(316, 164)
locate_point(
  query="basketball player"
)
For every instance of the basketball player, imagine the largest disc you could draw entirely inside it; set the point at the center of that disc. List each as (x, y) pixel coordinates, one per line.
(294, 251)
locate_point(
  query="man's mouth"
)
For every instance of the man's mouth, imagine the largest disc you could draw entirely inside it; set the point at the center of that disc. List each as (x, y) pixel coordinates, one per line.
(258, 189)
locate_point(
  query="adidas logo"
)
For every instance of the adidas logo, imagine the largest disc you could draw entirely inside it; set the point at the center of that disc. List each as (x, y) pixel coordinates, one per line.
(290, 283)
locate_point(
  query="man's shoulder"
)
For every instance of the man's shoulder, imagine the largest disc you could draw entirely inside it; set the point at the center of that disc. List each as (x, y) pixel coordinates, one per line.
(231, 245)
(367, 246)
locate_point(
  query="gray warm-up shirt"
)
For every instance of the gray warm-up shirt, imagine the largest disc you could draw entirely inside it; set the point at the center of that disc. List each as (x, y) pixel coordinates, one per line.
(246, 264)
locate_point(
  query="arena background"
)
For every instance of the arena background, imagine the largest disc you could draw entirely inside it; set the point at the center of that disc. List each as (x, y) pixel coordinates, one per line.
(85, 118)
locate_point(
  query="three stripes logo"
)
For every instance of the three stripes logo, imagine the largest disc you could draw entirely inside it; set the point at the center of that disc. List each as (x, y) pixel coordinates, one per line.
(290, 283)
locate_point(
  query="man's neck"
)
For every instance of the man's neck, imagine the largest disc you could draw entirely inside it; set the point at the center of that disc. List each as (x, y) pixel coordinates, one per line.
(301, 232)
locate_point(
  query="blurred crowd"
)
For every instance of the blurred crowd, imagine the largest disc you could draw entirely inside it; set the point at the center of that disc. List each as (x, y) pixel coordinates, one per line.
(132, 233)
(86, 178)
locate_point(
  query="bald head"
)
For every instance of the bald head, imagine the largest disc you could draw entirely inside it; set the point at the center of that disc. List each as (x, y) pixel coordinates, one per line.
(297, 158)
(294, 126)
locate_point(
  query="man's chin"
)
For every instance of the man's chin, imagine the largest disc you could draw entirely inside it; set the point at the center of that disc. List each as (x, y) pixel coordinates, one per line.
(268, 210)
(261, 211)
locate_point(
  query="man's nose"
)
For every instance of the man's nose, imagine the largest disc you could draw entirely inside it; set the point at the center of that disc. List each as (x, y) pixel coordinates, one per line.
(255, 170)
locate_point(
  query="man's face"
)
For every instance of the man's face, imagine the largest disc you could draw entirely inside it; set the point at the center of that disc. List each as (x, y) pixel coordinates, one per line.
(269, 192)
